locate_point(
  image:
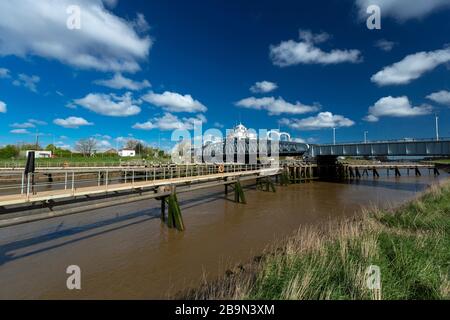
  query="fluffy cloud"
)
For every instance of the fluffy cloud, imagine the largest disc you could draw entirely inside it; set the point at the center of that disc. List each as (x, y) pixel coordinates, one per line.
(291, 52)
(403, 9)
(29, 82)
(324, 120)
(72, 122)
(170, 122)
(120, 82)
(4, 73)
(110, 104)
(23, 125)
(385, 45)
(263, 87)
(105, 42)
(276, 106)
(2, 107)
(20, 131)
(31, 123)
(395, 107)
(411, 67)
(174, 102)
(442, 97)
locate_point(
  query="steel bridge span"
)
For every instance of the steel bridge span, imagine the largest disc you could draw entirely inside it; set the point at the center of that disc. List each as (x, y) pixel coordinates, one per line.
(426, 148)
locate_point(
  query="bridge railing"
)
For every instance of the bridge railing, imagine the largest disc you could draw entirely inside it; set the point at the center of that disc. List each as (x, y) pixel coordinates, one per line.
(383, 141)
(15, 183)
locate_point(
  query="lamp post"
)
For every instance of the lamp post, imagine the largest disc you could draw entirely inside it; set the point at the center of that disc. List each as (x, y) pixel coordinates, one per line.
(437, 127)
(365, 136)
(334, 136)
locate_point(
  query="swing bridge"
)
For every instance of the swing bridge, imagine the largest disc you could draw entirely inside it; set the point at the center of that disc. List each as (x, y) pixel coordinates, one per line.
(50, 192)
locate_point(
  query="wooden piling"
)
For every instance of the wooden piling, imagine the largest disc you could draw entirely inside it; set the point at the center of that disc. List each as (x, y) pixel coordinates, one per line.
(239, 196)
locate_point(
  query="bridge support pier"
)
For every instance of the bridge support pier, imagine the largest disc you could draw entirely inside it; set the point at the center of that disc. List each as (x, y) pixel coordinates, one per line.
(358, 174)
(284, 178)
(265, 184)
(436, 172)
(174, 217)
(417, 172)
(375, 173)
(239, 196)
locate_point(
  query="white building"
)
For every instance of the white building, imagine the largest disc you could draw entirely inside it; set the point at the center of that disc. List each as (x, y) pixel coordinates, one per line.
(127, 153)
(39, 154)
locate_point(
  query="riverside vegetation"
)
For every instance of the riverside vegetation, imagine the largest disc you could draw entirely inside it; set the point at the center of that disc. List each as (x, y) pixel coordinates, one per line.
(410, 244)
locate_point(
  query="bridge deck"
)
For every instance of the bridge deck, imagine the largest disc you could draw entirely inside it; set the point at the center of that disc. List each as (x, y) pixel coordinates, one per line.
(17, 199)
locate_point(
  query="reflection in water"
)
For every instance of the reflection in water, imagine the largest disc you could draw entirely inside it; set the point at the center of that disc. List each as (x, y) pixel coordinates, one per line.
(126, 252)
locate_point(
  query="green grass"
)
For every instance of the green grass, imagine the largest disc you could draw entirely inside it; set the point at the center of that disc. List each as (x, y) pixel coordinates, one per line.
(441, 161)
(411, 245)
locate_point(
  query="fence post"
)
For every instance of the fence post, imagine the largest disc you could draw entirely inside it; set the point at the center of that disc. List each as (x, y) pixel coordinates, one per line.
(73, 183)
(23, 181)
(28, 186)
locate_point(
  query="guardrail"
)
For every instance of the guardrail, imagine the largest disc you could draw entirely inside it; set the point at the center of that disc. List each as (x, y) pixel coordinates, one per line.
(17, 183)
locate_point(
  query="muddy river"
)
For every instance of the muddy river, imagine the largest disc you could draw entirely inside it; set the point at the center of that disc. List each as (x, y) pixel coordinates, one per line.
(126, 252)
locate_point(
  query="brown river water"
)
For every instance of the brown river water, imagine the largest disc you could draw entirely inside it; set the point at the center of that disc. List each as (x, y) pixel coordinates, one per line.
(125, 252)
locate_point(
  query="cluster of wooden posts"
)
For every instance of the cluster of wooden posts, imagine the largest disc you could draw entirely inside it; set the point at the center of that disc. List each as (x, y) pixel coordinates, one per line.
(174, 218)
(299, 173)
(357, 172)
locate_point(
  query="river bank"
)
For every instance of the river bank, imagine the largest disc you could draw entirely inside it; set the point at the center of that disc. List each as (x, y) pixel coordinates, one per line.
(409, 245)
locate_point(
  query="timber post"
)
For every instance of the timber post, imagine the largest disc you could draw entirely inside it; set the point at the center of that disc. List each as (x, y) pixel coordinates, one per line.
(239, 196)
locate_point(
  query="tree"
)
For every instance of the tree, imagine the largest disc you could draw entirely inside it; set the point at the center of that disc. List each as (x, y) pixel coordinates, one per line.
(135, 145)
(9, 152)
(86, 146)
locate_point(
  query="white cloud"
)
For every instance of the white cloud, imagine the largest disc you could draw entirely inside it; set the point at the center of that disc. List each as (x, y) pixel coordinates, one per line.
(263, 87)
(37, 122)
(102, 136)
(324, 120)
(23, 125)
(174, 102)
(26, 81)
(105, 41)
(3, 108)
(403, 9)
(218, 125)
(72, 122)
(395, 107)
(442, 97)
(289, 53)
(120, 82)
(4, 73)
(385, 45)
(170, 122)
(276, 106)
(20, 131)
(110, 104)
(411, 67)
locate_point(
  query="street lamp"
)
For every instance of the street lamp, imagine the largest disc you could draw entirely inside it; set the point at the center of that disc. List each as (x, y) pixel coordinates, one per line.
(334, 136)
(365, 136)
(437, 127)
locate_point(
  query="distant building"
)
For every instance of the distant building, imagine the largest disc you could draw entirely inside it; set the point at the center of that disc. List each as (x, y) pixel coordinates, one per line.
(39, 154)
(127, 153)
(111, 151)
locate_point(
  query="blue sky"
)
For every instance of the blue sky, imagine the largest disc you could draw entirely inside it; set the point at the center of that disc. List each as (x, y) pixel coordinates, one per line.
(143, 68)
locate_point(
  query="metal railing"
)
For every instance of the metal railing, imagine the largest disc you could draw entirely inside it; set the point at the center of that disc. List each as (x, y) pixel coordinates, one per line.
(17, 183)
